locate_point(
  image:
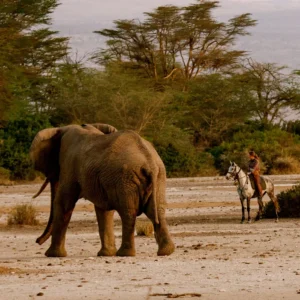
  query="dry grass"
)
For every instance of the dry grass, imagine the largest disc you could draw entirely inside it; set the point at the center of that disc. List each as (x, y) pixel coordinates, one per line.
(286, 165)
(144, 228)
(4, 177)
(23, 214)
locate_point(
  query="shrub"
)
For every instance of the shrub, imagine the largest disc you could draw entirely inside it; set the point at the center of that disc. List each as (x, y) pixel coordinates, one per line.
(270, 145)
(23, 214)
(16, 138)
(144, 228)
(186, 163)
(289, 203)
(286, 165)
(4, 176)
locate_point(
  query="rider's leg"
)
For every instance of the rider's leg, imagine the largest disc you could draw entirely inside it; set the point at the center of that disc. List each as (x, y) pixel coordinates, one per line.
(257, 183)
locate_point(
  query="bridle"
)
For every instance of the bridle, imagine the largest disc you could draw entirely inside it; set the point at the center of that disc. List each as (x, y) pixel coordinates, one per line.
(236, 174)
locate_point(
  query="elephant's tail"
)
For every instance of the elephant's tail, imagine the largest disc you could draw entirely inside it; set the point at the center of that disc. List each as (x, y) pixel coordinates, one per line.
(41, 188)
(151, 191)
(48, 230)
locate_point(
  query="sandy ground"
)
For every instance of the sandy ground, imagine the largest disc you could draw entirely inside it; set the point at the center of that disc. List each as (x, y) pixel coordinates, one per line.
(215, 257)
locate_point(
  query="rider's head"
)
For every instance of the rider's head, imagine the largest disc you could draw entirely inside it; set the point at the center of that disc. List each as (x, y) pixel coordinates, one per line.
(252, 154)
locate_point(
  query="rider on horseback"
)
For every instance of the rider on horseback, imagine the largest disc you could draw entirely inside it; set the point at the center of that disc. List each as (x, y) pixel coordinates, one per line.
(255, 171)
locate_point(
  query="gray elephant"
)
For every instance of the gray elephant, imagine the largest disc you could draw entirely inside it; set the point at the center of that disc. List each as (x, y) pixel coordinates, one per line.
(119, 171)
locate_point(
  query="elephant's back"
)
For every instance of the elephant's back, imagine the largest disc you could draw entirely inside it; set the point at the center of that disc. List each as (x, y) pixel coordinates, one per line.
(127, 145)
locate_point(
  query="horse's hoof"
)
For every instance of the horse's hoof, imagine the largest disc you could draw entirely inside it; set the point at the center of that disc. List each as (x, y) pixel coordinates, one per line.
(276, 220)
(242, 221)
(258, 217)
(249, 221)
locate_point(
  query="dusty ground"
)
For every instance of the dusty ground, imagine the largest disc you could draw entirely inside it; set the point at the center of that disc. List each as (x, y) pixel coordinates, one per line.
(215, 257)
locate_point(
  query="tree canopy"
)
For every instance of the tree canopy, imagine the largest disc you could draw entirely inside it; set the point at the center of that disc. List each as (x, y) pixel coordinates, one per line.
(175, 42)
(175, 76)
(29, 51)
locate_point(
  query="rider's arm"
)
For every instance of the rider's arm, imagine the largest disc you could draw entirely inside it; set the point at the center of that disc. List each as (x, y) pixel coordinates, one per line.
(254, 166)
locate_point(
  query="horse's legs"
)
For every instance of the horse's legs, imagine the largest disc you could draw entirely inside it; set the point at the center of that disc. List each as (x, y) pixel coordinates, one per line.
(276, 204)
(260, 209)
(243, 209)
(248, 209)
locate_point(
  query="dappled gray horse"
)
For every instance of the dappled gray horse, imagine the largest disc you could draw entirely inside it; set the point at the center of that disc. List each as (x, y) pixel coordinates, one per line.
(247, 191)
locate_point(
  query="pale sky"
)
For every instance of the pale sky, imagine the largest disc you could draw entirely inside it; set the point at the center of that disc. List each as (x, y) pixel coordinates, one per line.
(276, 38)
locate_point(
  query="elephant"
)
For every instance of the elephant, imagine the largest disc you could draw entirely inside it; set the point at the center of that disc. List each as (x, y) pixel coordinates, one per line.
(115, 170)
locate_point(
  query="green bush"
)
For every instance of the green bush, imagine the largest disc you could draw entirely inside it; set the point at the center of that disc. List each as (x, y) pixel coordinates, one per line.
(16, 138)
(4, 176)
(289, 203)
(186, 163)
(269, 144)
(180, 157)
(23, 214)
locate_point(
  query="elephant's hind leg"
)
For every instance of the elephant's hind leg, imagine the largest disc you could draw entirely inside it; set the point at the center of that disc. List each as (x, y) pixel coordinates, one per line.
(106, 230)
(162, 236)
(64, 204)
(128, 218)
(163, 239)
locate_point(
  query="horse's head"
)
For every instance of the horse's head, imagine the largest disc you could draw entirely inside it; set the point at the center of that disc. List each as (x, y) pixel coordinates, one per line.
(232, 170)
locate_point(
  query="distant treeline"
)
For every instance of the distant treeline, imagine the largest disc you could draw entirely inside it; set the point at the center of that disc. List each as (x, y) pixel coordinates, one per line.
(174, 77)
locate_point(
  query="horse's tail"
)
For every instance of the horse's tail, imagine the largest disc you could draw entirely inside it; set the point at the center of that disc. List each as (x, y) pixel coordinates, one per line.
(270, 190)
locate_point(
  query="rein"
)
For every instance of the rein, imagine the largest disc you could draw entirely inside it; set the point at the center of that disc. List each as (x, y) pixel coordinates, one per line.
(236, 177)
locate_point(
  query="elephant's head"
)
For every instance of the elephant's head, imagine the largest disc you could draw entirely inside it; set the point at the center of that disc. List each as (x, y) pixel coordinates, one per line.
(44, 149)
(44, 153)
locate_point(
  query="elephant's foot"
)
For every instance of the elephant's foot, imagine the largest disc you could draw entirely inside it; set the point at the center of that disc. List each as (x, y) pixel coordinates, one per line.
(107, 251)
(126, 252)
(166, 248)
(56, 252)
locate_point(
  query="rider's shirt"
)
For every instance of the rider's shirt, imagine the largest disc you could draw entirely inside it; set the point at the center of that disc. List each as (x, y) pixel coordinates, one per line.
(253, 165)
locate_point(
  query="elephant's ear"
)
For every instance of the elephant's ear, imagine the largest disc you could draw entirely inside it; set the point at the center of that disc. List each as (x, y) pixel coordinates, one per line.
(44, 151)
(105, 128)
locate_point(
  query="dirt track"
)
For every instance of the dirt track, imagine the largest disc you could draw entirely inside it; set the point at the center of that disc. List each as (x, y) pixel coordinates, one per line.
(215, 257)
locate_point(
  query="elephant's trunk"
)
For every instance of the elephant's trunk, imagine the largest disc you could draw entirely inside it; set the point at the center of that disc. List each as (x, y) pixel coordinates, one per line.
(42, 188)
(48, 230)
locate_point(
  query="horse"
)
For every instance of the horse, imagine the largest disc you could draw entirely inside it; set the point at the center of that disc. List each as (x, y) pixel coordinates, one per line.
(246, 191)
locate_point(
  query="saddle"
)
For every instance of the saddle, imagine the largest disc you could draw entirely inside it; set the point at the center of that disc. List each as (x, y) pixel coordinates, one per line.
(262, 182)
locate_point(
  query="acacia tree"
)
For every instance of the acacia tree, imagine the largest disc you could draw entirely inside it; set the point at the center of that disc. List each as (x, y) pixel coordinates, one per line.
(273, 90)
(29, 51)
(175, 41)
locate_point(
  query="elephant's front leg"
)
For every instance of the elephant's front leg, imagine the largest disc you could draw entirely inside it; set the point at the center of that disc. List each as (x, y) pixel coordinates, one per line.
(64, 204)
(128, 218)
(106, 230)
